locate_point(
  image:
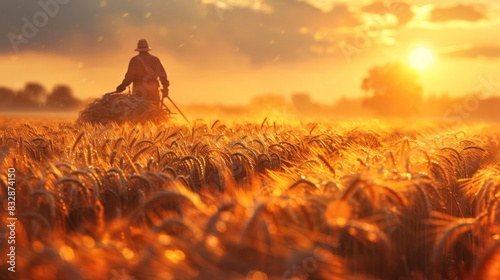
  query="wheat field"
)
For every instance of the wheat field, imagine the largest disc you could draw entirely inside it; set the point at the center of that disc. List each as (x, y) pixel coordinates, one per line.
(253, 200)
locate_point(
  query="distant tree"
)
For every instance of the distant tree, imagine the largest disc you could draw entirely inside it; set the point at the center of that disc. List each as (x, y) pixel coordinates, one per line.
(395, 90)
(348, 107)
(268, 101)
(437, 104)
(32, 96)
(62, 97)
(8, 97)
(302, 102)
(485, 109)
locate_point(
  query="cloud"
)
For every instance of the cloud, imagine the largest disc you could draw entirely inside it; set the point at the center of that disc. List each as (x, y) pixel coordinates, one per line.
(477, 52)
(77, 26)
(195, 32)
(401, 10)
(286, 30)
(460, 12)
(293, 29)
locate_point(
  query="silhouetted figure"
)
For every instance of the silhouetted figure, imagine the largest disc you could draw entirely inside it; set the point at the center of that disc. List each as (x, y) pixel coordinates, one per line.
(146, 72)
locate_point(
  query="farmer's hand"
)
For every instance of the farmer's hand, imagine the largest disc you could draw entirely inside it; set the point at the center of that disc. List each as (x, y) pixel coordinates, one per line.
(164, 93)
(120, 88)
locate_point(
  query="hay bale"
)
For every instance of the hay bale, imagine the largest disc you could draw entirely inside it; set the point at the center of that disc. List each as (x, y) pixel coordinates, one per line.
(121, 108)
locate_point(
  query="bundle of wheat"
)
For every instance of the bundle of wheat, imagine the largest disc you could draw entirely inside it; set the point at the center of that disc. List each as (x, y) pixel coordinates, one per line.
(121, 108)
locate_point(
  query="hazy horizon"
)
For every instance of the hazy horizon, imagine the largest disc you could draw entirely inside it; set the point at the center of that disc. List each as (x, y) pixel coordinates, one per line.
(227, 54)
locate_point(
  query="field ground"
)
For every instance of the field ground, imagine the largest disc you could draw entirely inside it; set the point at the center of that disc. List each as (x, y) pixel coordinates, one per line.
(255, 200)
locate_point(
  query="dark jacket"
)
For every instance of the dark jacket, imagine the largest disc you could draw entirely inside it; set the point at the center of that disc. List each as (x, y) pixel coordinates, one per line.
(146, 83)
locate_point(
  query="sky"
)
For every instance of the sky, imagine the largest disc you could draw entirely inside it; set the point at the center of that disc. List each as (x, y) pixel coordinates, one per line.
(229, 51)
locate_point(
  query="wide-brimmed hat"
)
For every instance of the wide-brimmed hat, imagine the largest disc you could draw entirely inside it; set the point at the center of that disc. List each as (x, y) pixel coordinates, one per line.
(143, 46)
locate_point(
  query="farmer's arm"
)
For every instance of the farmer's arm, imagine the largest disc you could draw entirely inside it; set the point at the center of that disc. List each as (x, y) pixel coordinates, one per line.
(129, 76)
(162, 74)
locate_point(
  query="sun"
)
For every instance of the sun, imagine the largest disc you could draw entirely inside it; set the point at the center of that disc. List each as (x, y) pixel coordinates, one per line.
(421, 58)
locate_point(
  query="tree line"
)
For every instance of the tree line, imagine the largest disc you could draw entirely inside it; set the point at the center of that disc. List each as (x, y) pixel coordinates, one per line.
(394, 90)
(35, 97)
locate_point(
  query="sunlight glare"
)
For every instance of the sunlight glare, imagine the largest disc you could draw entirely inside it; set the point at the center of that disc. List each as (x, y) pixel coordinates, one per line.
(421, 58)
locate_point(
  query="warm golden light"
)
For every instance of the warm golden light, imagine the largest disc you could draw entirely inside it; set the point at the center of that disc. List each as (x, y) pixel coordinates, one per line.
(174, 256)
(66, 253)
(421, 58)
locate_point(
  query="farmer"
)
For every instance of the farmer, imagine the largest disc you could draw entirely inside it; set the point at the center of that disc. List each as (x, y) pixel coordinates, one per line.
(144, 70)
